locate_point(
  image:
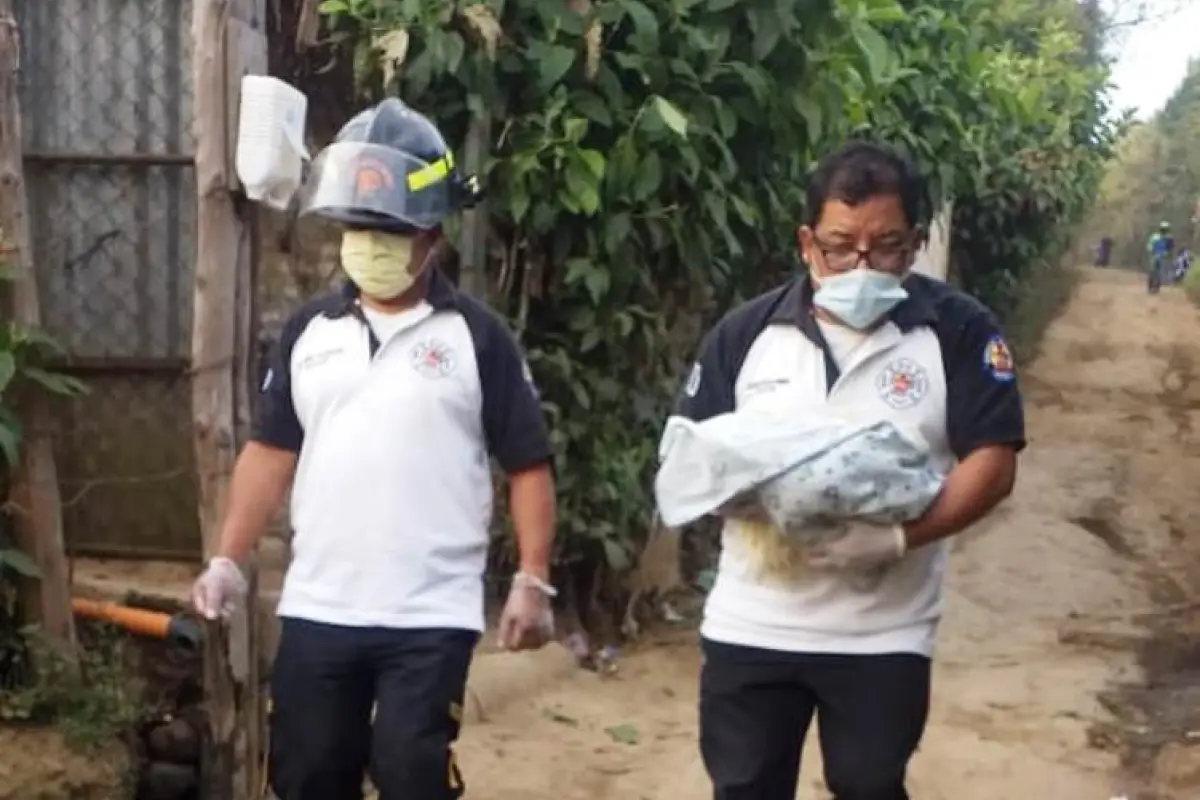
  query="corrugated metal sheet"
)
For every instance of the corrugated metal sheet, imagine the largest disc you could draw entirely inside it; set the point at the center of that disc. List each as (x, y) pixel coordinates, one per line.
(107, 104)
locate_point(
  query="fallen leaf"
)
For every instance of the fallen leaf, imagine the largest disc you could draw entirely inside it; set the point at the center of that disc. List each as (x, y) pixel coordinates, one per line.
(623, 734)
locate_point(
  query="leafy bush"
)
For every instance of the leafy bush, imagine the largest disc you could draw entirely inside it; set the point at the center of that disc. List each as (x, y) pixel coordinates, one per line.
(89, 696)
(1036, 302)
(648, 164)
(22, 355)
(22, 369)
(1191, 284)
(15, 662)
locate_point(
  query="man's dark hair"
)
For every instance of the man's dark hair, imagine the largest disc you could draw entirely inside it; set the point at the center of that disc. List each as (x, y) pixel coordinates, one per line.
(858, 171)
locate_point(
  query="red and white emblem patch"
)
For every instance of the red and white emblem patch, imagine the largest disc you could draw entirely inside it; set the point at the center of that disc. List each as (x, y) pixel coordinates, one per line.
(902, 384)
(433, 358)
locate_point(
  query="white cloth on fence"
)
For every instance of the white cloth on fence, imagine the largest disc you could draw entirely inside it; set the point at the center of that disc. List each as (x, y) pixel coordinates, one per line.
(808, 477)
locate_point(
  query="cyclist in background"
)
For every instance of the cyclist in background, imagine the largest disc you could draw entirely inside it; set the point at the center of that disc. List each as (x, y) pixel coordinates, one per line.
(1160, 246)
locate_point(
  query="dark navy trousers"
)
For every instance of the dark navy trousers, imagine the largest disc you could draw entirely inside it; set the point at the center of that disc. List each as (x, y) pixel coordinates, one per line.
(756, 706)
(326, 682)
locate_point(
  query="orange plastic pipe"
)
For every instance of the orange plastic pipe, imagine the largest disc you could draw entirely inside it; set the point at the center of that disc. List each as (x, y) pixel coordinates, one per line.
(135, 620)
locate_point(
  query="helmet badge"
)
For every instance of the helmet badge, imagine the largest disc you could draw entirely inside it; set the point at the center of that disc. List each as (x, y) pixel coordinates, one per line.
(370, 177)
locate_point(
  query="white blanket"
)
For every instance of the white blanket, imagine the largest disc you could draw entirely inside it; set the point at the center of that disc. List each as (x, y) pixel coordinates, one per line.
(806, 476)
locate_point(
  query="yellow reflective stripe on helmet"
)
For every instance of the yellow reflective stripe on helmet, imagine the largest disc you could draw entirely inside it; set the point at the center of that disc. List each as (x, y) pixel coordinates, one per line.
(430, 173)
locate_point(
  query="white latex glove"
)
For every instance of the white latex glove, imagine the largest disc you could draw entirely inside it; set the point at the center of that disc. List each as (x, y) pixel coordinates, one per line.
(220, 589)
(861, 548)
(527, 621)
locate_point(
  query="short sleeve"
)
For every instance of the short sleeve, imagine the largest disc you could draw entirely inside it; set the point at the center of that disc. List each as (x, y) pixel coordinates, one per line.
(709, 387)
(983, 401)
(275, 421)
(513, 423)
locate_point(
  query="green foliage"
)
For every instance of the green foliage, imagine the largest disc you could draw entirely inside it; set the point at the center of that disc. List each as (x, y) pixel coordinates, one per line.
(1031, 133)
(649, 160)
(1155, 177)
(89, 696)
(15, 667)
(22, 353)
(1191, 285)
(1036, 301)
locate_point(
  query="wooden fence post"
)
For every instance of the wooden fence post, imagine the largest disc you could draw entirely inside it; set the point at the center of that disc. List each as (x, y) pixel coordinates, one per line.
(472, 243)
(35, 492)
(228, 42)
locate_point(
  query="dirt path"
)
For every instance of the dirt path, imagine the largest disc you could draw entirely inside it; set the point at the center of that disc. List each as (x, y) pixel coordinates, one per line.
(1060, 609)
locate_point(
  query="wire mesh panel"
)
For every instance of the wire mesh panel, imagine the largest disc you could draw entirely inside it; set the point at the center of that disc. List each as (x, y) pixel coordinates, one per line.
(106, 95)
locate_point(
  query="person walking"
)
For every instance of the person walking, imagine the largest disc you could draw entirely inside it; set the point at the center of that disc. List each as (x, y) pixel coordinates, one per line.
(847, 636)
(381, 408)
(1183, 263)
(1159, 246)
(1103, 252)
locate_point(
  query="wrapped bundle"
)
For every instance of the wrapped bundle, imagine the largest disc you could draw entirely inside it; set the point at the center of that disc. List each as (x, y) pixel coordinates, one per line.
(808, 479)
(875, 476)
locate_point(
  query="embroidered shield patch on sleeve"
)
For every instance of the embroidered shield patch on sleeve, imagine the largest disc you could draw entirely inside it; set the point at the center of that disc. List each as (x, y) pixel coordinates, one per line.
(998, 360)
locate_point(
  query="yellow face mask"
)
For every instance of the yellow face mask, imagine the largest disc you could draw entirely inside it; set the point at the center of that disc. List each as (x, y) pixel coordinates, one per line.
(378, 262)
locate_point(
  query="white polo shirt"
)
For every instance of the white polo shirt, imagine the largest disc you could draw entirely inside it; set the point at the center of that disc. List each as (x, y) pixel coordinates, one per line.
(394, 418)
(938, 368)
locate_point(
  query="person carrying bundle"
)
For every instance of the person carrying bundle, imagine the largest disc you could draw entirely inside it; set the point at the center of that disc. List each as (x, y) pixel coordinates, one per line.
(854, 418)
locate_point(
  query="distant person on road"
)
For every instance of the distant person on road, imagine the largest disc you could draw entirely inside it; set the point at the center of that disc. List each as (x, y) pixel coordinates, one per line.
(1159, 246)
(1183, 263)
(382, 408)
(1104, 252)
(847, 636)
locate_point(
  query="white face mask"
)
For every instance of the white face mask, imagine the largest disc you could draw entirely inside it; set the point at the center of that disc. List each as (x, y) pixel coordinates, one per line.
(379, 263)
(860, 297)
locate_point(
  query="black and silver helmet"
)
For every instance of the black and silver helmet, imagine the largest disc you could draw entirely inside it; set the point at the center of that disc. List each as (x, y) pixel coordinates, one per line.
(389, 169)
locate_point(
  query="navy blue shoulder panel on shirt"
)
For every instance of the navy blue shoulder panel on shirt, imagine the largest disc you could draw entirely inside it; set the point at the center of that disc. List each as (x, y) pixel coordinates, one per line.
(709, 388)
(275, 420)
(513, 424)
(983, 399)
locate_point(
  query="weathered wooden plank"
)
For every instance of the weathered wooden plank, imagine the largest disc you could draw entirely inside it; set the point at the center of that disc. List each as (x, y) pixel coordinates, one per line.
(213, 337)
(472, 244)
(246, 55)
(228, 42)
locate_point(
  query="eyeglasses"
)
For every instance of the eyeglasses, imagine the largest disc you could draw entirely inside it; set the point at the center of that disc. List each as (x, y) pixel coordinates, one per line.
(890, 257)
